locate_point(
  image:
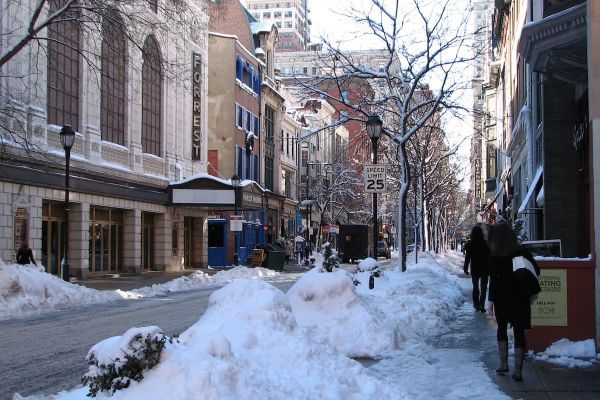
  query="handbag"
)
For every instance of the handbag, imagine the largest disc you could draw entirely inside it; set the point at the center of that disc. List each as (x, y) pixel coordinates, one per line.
(525, 278)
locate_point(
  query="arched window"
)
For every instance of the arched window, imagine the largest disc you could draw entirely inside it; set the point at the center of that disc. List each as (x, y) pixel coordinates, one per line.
(112, 107)
(151, 97)
(63, 68)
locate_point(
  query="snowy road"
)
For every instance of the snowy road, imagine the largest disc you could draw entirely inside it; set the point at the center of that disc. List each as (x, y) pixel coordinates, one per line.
(46, 354)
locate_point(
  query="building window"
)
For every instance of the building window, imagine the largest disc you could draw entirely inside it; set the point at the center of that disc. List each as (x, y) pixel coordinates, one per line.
(491, 162)
(267, 14)
(289, 14)
(287, 183)
(112, 108)
(269, 124)
(269, 173)
(63, 69)
(277, 14)
(288, 24)
(151, 97)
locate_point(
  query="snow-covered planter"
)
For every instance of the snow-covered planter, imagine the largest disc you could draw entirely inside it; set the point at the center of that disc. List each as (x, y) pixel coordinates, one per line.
(118, 360)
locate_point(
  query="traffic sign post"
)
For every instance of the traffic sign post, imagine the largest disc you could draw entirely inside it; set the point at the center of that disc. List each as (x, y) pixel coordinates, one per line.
(375, 178)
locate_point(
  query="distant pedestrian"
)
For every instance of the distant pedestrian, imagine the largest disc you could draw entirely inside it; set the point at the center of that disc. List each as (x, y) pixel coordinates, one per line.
(508, 303)
(25, 255)
(477, 255)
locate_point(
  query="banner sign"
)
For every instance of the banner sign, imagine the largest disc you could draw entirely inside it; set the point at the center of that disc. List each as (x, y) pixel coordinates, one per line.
(196, 106)
(550, 307)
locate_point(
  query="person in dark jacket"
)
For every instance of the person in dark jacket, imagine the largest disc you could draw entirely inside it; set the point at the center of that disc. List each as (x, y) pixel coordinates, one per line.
(477, 255)
(25, 255)
(508, 303)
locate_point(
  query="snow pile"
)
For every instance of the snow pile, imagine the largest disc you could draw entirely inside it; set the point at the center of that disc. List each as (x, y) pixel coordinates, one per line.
(328, 305)
(27, 290)
(255, 342)
(247, 345)
(412, 304)
(200, 278)
(570, 354)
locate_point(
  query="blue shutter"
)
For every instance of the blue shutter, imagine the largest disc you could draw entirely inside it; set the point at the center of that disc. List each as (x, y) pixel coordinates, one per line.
(239, 67)
(257, 126)
(257, 169)
(257, 83)
(244, 172)
(250, 82)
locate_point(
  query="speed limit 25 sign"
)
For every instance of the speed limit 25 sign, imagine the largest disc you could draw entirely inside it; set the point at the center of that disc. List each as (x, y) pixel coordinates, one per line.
(375, 178)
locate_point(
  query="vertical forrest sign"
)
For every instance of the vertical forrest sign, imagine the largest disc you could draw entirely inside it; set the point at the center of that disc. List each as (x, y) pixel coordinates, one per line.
(196, 106)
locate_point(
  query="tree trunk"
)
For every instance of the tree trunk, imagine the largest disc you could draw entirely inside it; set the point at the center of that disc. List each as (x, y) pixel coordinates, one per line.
(402, 198)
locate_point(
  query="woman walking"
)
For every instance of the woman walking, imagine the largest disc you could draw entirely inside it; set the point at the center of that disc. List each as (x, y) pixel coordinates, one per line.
(25, 255)
(508, 303)
(477, 255)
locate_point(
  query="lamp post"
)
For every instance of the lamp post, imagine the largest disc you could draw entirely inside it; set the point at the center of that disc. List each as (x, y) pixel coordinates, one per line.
(67, 137)
(235, 182)
(374, 126)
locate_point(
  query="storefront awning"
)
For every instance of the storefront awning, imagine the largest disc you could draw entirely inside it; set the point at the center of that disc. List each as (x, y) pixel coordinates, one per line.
(491, 203)
(534, 183)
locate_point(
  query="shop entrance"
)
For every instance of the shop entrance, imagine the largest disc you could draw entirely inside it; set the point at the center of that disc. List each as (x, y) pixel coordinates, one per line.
(106, 240)
(53, 215)
(148, 241)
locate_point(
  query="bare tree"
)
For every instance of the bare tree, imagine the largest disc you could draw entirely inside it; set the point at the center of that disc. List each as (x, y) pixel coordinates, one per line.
(423, 46)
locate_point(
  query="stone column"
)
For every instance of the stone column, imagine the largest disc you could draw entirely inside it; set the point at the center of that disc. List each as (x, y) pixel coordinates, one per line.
(163, 252)
(132, 241)
(79, 239)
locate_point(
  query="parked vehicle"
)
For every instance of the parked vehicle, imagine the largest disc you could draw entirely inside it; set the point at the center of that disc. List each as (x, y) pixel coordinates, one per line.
(353, 242)
(411, 248)
(383, 250)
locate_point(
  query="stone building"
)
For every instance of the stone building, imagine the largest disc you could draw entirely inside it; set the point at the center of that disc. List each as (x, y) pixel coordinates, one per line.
(291, 19)
(133, 87)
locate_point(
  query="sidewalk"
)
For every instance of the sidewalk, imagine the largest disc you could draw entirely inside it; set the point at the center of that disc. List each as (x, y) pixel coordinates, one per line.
(541, 380)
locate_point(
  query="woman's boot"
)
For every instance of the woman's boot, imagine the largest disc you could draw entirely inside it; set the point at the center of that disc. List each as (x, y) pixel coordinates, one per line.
(519, 358)
(503, 351)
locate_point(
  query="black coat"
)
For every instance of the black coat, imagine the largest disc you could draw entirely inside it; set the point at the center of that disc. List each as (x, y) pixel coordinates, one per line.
(25, 256)
(510, 304)
(477, 254)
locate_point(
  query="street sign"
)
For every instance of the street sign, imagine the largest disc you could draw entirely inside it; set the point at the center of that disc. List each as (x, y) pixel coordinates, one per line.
(235, 223)
(299, 229)
(375, 178)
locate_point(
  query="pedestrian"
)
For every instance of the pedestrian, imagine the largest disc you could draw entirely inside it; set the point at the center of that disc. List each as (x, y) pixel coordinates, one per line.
(508, 303)
(477, 255)
(25, 255)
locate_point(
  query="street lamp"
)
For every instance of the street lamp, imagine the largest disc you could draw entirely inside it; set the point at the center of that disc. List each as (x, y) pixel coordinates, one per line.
(374, 127)
(235, 182)
(67, 137)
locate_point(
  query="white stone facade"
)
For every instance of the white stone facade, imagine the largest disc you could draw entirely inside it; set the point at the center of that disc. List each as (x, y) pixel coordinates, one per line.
(103, 174)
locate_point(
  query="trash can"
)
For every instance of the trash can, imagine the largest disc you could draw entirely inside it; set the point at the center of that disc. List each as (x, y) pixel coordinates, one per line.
(275, 257)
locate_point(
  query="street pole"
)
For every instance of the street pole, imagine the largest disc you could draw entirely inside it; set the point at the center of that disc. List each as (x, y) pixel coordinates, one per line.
(374, 126)
(67, 137)
(375, 231)
(235, 182)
